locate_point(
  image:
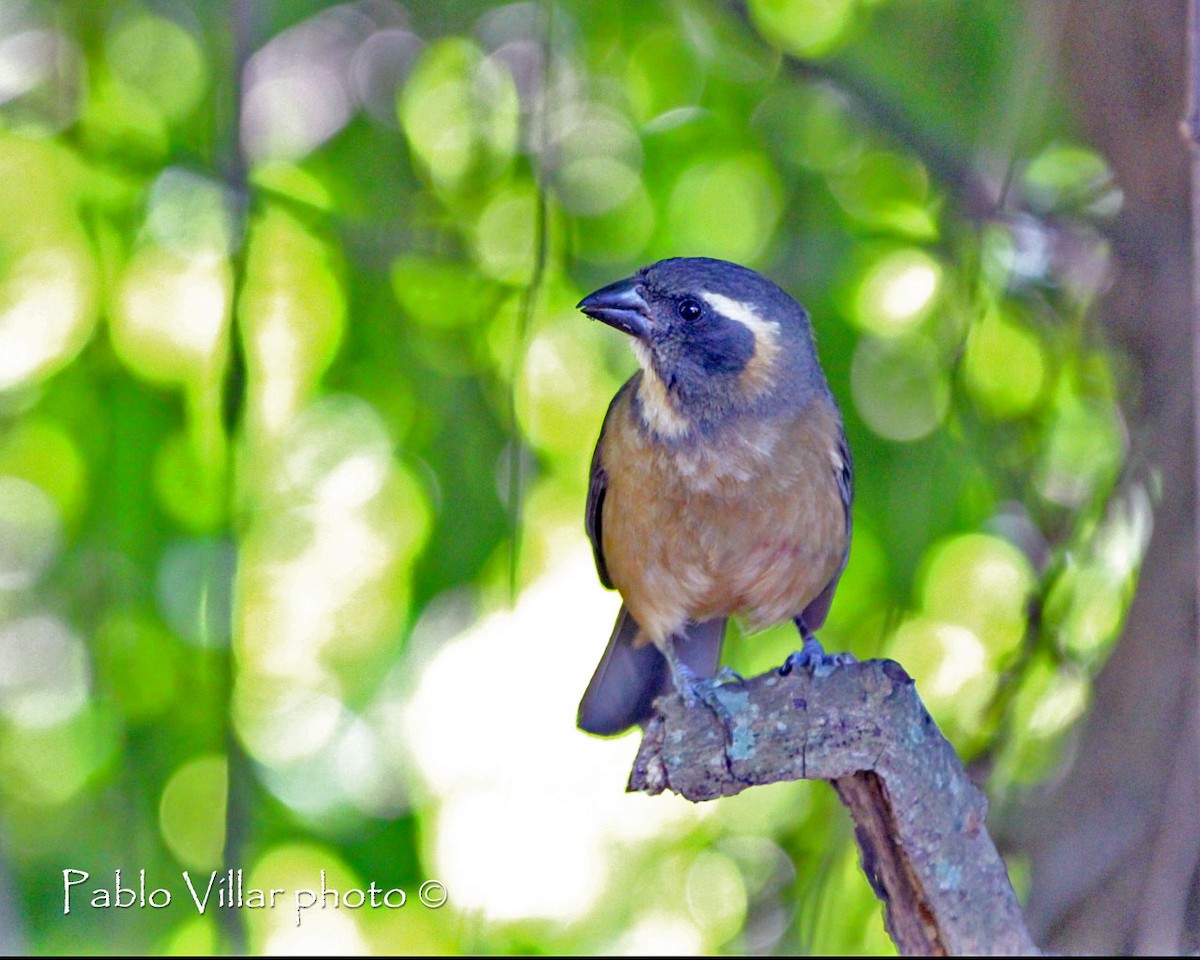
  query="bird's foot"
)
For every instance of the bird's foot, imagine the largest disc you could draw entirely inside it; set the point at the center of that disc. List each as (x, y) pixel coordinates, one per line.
(714, 692)
(693, 689)
(723, 677)
(721, 694)
(724, 696)
(813, 658)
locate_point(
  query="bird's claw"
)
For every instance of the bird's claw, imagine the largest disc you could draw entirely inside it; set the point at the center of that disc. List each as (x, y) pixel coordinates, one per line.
(815, 660)
(720, 695)
(723, 676)
(714, 693)
(694, 690)
(710, 691)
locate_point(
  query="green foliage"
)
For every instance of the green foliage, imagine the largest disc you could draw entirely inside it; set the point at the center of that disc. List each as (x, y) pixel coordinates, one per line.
(264, 390)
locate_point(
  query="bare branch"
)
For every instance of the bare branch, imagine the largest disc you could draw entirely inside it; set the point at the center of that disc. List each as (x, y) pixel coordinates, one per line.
(919, 820)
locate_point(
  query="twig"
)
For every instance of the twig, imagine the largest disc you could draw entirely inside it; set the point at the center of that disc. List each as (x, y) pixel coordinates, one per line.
(974, 196)
(529, 296)
(240, 788)
(919, 821)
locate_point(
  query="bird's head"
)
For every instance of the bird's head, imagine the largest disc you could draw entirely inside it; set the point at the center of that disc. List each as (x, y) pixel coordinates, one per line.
(714, 340)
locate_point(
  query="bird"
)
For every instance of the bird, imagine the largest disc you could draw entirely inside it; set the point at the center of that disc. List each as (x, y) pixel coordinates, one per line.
(721, 483)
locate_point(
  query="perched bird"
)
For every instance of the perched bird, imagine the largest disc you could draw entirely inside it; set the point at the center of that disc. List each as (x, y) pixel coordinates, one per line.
(721, 483)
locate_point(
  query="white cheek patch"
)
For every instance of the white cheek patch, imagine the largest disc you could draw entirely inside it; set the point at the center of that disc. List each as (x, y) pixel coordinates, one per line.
(759, 372)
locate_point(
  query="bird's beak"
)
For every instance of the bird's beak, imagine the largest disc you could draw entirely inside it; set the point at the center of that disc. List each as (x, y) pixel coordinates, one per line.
(621, 306)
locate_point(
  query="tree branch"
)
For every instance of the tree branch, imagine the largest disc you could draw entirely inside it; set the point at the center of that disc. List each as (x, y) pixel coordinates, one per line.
(919, 821)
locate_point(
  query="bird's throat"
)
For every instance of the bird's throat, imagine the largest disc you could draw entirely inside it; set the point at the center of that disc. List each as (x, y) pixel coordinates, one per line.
(659, 413)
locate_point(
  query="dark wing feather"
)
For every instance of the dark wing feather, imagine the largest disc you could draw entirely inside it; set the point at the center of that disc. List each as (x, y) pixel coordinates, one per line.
(815, 613)
(845, 481)
(631, 674)
(597, 488)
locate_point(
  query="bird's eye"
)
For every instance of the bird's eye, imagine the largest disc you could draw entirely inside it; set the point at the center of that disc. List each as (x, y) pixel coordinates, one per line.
(689, 309)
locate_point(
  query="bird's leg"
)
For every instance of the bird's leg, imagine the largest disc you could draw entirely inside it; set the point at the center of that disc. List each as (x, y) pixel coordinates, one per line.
(812, 655)
(682, 676)
(690, 686)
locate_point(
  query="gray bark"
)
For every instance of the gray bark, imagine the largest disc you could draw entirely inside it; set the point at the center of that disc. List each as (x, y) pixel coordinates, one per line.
(919, 821)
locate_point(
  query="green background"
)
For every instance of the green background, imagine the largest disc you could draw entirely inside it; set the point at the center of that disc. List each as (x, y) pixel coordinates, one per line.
(294, 439)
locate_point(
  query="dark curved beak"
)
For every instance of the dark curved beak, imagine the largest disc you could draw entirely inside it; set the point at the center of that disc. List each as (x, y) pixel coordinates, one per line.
(621, 306)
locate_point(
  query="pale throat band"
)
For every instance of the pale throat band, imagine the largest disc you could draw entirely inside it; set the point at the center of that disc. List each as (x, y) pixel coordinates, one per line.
(658, 413)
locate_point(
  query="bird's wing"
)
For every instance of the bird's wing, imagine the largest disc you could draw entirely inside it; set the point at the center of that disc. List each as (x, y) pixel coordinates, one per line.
(845, 480)
(818, 609)
(597, 487)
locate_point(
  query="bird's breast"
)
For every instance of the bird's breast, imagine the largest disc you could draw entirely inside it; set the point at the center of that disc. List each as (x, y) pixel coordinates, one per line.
(748, 522)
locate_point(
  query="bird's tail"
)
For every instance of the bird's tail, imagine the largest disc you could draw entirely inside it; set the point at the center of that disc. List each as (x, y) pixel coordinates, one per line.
(631, 675)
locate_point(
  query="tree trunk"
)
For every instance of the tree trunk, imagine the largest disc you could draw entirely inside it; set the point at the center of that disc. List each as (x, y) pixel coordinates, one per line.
(1115, 844)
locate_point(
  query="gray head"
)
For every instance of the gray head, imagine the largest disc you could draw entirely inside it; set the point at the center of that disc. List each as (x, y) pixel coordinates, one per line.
(722, 339)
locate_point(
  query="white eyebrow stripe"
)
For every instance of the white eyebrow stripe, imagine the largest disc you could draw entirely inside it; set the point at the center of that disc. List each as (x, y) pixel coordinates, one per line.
(743, 314)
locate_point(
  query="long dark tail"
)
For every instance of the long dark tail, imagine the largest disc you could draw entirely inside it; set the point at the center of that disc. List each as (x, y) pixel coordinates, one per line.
(630, 676)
